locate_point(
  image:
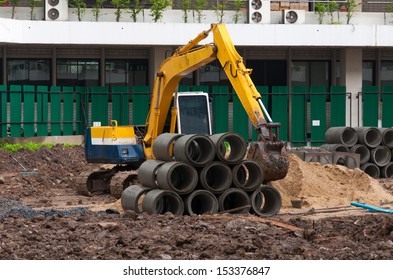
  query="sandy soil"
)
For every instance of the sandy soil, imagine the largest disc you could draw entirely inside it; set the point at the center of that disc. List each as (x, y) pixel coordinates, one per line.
(42, 217)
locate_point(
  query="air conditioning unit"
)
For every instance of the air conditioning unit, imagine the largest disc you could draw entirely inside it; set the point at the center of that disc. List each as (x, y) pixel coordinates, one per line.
(56, 10)
(294, 16)
(258, 11)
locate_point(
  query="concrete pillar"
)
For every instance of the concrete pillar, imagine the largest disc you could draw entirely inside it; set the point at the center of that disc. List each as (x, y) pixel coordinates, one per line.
(351, 67)
(156, 57)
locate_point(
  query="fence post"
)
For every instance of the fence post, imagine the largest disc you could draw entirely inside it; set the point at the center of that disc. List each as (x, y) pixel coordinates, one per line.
(3, 108)
(387, 101)
(42, 111)
(317, 115)
(370, 105)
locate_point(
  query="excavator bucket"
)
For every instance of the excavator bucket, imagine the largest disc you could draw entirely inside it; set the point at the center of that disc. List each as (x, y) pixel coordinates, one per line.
(270, 153)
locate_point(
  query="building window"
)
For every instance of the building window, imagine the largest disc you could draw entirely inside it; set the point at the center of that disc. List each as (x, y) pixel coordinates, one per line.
(28, 71)
(212, 74)
(368, 73)
(311, 73)
(386, 73)
(77, 72)
(126, 72)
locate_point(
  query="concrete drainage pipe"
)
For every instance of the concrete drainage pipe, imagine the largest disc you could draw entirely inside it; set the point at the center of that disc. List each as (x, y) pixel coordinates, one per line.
(341, 135)
(230, 147)
(147, 172)
(335, 148)
(235, 201)
(216, 177)
(266, 201)
(132, 196)
(363, 151)
(371, 169)
(369, 136)
(194, 149)
(162, 201)
(200, 202)
(380, 155)
(179, 177)
(247, 175)
(163, 146)
(387, 171)
(387, 137)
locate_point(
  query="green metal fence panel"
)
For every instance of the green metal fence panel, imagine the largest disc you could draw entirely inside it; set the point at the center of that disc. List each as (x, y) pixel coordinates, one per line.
(120, 104)
(240, 121)
(68, 110)
(387, 101)
(55, 110)
(183, 88)
(299, 116)
(42, 111)
(15, 110)
(317, 115)
(3, 108)
(370, 105)
(200, 88)
(264, 92)
(81, 109)
(99, 105)
(140, 104)
(337, 106)
(280, 109)
(28, 110)
(220, 108)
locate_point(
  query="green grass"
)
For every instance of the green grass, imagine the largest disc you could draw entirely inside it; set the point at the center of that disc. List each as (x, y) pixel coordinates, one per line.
(29, 146)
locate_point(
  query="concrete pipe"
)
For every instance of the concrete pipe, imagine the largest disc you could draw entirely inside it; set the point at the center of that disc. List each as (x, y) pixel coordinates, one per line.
(231, 148)
(132, 197)
(387, 137)
(235, 201)
(194, 149)
(179, 177)
(266, 201)
(216, 177)
(147, 172)
(371, 169)
(163, 146)
(369, 136)
(341, 135)
(335, 148)
(247, 175)
(380, 155)
(387, 170)
(363, 151)
(200, 202)
(162, 201)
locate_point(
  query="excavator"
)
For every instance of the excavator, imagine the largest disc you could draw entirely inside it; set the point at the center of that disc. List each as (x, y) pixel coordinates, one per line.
(127, 147)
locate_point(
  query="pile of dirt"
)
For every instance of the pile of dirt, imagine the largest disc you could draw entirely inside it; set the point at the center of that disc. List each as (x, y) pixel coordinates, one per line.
(329, 185)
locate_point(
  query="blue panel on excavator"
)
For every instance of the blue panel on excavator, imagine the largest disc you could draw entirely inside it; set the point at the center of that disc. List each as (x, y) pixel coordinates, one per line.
(112, 154)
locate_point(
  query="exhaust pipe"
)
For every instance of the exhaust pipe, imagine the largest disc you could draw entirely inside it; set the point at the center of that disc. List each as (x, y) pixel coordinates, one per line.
(216, 177)
(179, 177)
(162, 201)
(380, 155)
(235, 201)
(247, 175)
(231, 148)
(341, 135)
(132, 196)
(201, 201)
(266, 201)
(197, 150)
(369, 136)
(163, 146)
(371, 169)
(363, 151)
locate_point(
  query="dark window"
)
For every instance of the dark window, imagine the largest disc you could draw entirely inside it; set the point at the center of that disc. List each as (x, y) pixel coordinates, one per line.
(311, 73)
(368, 73)
(77, 72)
(386, 73)
(29, 71)
(126, 72)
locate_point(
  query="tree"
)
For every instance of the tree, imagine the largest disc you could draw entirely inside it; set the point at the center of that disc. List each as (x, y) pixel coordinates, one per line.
(350, 6)
(13, 5)
(98, 5)
(120, 5)
(80, 6)
(320, 9)
(135, 8)
(198, 7)
(238, 4)
(185, 6)
(158, 7)
(33, 4)
(331, 8)
(219, 10)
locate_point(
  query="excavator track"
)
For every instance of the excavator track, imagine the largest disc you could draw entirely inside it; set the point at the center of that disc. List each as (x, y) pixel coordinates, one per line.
(121, 180)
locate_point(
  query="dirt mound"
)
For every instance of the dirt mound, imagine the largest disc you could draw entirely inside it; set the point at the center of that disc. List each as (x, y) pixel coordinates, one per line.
(329, 185)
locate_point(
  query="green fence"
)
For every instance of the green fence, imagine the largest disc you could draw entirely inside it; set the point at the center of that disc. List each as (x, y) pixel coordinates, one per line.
(304, 113)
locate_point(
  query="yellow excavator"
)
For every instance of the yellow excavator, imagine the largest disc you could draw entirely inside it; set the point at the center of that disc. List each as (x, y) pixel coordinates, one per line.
(127, 147)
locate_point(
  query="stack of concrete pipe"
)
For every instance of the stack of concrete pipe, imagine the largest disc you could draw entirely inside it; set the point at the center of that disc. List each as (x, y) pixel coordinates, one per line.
(197, 174)
(374, 145)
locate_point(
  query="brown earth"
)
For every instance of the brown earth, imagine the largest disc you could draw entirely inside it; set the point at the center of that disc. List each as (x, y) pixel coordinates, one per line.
(42, 217)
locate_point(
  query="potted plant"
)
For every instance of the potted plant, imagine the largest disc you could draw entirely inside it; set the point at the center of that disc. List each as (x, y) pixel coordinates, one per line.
(32, 5)
(158, 7)
(120, 5)
(185, 6)
(80, 6)
(320, 10)
(135, 8)
(198, 7)
(97, 7)
(238, 5)
(219, 10)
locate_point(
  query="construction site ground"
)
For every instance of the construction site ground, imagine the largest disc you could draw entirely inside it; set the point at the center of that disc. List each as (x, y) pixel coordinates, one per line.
(42, 217)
